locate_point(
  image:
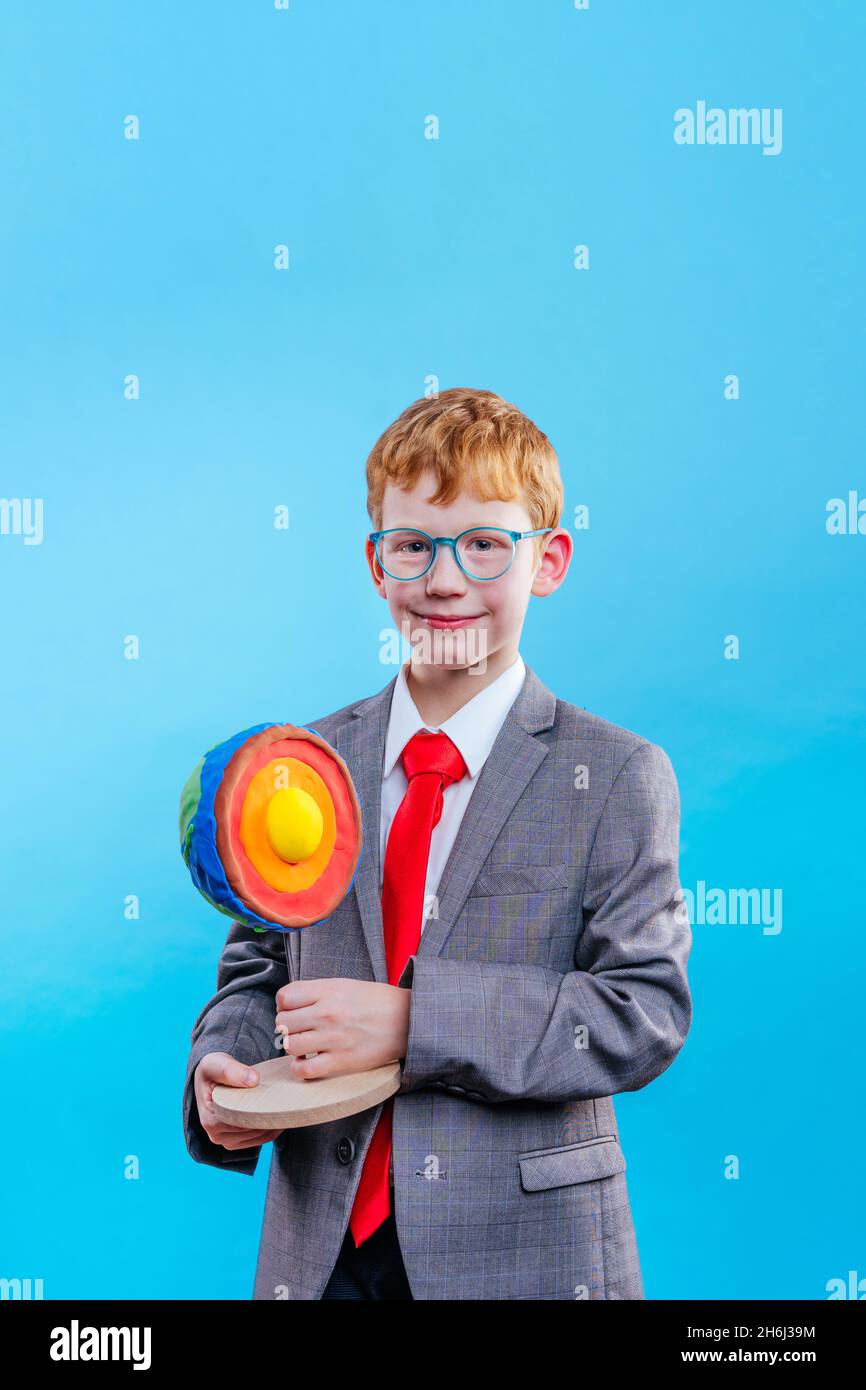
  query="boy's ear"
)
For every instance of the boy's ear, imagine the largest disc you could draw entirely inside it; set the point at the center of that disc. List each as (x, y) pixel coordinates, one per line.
(554, 562)
(375, 569)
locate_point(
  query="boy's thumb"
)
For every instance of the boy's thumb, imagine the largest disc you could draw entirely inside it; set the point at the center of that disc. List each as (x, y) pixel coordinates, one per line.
(239, 1074)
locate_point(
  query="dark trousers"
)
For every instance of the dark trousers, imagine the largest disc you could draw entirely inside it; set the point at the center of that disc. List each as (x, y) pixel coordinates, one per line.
(373, 1270)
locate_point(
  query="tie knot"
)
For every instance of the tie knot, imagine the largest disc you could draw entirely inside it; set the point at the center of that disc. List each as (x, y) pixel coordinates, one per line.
(429, 752)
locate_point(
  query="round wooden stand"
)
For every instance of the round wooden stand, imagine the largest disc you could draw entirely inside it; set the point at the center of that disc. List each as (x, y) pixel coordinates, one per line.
(284, 1101)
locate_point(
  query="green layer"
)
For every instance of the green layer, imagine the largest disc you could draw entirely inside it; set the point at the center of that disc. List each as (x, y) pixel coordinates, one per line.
(189, 802)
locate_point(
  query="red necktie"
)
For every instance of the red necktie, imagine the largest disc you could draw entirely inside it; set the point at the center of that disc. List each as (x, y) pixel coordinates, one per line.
(431, 763)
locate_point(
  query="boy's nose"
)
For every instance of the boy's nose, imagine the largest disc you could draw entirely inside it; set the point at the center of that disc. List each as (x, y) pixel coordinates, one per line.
(445, 571)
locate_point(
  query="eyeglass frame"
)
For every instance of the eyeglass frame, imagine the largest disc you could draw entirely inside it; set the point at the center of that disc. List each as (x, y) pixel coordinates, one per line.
(516, 536)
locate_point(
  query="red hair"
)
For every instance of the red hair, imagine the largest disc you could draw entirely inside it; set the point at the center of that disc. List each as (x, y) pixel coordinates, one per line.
(474, 441)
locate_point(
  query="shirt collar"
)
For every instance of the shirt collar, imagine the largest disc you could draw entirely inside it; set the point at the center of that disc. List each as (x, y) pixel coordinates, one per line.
(472, 729)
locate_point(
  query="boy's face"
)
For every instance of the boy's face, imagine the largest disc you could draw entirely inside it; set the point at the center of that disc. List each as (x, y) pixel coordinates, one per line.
(491, 611)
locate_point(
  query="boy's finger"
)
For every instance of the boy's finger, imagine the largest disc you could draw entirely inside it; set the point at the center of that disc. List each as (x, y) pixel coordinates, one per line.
(229, 1072)
(246, 1138)
(304, 1021)
(298, 994)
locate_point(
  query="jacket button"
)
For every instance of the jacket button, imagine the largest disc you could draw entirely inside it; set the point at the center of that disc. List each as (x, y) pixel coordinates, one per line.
(345, 1150)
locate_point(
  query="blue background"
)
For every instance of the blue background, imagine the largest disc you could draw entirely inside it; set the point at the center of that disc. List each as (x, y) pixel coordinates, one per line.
(412, 257)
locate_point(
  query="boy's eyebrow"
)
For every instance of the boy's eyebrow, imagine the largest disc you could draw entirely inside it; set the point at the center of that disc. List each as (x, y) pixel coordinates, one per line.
(476, 526)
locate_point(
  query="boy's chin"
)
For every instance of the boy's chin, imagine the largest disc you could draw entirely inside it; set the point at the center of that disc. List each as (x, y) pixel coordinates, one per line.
(464, 649)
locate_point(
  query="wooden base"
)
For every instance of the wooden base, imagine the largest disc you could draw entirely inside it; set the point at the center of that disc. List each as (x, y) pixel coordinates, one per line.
(283, 1101)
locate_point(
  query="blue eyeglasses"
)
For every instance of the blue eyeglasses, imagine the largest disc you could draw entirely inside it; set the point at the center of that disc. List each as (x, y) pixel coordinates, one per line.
(482, 552)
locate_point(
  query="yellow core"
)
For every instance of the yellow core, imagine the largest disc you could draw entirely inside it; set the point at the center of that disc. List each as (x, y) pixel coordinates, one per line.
(294, 824)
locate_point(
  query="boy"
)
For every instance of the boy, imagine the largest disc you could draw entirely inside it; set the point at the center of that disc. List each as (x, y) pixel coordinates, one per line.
(514, 936)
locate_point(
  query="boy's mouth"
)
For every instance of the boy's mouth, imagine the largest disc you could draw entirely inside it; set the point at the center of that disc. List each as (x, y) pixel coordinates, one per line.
(446, 620)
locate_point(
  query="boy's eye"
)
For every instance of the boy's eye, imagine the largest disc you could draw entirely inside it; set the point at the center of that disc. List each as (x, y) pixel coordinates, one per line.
(406, 545)
(411, 545)
(483, 542)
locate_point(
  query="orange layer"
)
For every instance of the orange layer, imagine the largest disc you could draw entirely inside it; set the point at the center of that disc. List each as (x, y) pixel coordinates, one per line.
(277, 872)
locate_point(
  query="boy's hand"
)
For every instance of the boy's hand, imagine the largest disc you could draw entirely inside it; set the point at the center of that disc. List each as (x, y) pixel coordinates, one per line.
(353, 1025)
(219, 1069)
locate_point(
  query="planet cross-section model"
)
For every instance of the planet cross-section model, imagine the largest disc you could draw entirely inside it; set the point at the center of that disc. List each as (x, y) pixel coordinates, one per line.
(270, 827)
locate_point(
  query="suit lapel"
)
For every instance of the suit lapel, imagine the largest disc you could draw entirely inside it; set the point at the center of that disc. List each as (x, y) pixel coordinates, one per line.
(513, 760)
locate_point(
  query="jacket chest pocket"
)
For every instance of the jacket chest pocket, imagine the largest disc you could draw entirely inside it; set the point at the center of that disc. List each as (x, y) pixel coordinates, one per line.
(518, 914)
(516, 880)
(588, 1161)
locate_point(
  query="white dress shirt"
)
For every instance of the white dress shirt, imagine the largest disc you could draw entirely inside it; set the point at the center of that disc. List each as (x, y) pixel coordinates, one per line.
(473, 729)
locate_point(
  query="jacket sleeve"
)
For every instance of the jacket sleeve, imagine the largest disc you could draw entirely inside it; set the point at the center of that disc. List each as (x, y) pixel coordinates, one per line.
(239, 1019)
(501, 1032)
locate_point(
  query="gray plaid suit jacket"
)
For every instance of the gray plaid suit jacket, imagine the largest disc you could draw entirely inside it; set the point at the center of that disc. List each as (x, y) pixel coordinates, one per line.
(551, 975)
